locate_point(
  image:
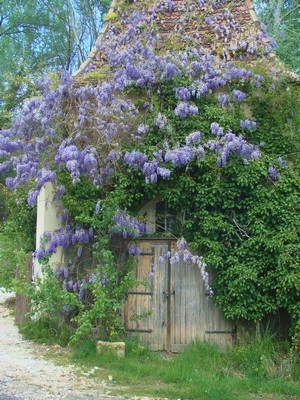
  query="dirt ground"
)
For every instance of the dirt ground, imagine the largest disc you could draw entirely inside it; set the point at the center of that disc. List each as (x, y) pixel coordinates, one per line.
(26, 375)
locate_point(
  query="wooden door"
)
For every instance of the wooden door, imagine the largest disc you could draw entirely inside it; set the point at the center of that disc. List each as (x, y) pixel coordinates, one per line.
(145, 311)
(193, 314)
(170, 309)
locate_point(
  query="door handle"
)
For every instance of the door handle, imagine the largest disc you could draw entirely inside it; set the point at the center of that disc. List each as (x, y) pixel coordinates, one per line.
(167, 295)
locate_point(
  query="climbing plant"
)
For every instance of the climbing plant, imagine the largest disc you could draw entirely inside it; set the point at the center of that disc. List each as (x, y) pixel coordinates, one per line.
(213, 138)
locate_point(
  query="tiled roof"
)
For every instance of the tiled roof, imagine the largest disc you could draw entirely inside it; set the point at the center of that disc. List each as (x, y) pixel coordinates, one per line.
(217, 26)
(228, 29)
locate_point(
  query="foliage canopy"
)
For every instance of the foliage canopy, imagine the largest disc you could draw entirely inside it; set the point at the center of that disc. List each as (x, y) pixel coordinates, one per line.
(37, 37)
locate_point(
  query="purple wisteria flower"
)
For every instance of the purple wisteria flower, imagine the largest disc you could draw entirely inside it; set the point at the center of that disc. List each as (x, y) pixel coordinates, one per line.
(247, 124)
(68, 284)
(183, 94)
(216, 130)
(134, 250)
(281, 162)
(257, 80)
(238, 95)
(61, 272)
(39, 254)
(98, 207)
(201, 2)
(161, 260)
(208, 21)
(91, 278)
(224, 100)
(193, 138)
(80, 235)
(231, 143)
(170, 5)
(32, 197)
(128, 226)
(183, 110)
(64, 237)
(273, 173)
(182, 254)
(182, 244)
(113, 156)
(142, 129)
(5, 166)
(179, 156)
(44, 176)
(79, 252)
(135, 159)
(59, 191)
(163, 172)
(170, 72)
(160, 121)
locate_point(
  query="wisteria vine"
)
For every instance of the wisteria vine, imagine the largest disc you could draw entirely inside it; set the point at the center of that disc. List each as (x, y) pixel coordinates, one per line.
(91, 130)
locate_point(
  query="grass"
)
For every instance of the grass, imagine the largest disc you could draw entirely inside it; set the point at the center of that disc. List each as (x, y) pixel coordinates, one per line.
(202, 371)
(258, 369)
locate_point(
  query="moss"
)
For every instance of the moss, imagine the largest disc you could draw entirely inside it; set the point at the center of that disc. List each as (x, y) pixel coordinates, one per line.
(111, 16)
(117, 25)
(125, 5)
(92, 77)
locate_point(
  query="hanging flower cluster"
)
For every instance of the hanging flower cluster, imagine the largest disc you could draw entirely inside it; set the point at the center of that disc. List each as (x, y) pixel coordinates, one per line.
(101, 118)
(78, 286)
(128, 227)
(64, 237)
(183, 255)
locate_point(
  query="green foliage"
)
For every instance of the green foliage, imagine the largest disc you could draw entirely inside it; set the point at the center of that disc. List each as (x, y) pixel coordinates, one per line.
(245, 224)
(46, 332)
(48, 309)
(64, 316)
(17, 234)
(102, 314)
(282, 21)
(38, 36)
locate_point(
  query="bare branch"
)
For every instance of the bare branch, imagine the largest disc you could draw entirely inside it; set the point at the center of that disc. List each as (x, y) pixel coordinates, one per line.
(290, 12)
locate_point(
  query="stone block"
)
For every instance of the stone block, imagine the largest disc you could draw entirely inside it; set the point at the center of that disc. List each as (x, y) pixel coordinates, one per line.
(118, 347)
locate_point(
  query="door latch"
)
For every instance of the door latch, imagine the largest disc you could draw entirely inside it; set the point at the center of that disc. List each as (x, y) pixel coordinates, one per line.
(167, 295)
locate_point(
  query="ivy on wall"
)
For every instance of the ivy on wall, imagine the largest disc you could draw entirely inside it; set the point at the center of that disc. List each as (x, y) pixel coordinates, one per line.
(215, 140)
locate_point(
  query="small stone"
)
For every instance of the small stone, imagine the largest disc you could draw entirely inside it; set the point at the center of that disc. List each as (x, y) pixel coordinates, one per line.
(118, 347)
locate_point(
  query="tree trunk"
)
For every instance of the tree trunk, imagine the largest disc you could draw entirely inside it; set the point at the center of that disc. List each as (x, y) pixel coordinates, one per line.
(74, 29)
(277, 15)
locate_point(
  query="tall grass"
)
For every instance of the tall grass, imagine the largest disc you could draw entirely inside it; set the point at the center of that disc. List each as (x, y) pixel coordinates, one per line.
(249, 371)
(255, 369)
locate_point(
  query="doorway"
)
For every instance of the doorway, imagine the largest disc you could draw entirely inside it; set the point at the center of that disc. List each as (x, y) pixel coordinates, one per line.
(170, 308)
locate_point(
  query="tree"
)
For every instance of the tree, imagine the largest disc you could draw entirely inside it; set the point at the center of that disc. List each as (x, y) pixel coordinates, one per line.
(41, 36)
(282, 18)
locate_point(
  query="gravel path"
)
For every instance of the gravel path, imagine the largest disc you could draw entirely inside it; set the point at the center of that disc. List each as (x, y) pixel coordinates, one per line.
(26, 376)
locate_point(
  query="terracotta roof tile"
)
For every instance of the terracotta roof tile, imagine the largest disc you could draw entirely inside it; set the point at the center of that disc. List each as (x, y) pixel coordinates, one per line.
(227, 28)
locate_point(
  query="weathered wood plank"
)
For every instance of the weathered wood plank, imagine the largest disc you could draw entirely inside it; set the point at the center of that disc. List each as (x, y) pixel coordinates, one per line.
(145, 311)
(193, 313)
(172, 309)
